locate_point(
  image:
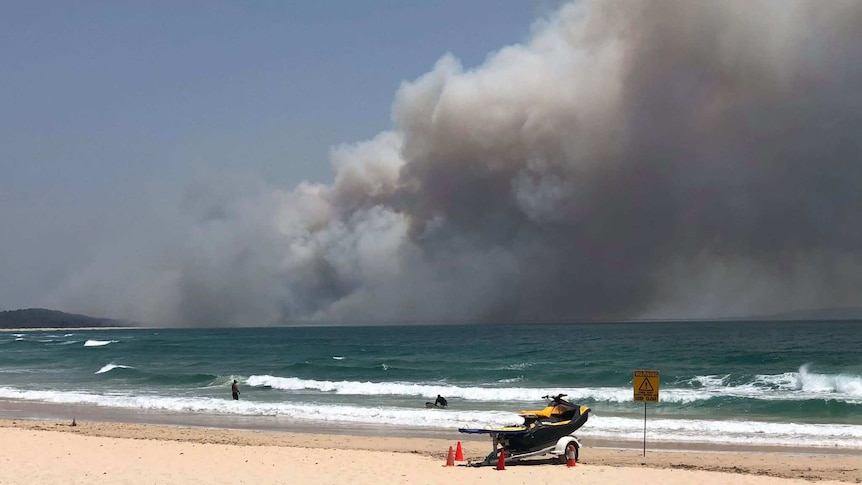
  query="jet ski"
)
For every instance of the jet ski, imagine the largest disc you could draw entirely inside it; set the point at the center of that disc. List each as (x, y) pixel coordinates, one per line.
(544, 431)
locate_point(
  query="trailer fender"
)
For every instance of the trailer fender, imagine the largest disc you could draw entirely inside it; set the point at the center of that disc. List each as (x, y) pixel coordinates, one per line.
(563, 443)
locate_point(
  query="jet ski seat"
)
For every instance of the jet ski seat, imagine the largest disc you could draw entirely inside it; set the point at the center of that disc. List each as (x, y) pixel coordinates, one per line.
(546, 413)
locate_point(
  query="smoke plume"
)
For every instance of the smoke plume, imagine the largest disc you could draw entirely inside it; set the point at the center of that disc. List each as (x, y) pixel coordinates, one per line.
(661, 159)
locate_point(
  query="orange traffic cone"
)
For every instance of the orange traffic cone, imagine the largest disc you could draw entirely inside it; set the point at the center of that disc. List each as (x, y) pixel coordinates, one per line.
(501, 460)
(459, 453)
(450, 460)
(570, 456)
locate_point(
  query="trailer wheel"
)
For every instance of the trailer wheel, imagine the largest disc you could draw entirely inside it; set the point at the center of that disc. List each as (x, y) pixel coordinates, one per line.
(563, 458)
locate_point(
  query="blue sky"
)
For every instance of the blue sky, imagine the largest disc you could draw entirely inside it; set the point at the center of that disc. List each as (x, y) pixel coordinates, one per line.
(97, 92)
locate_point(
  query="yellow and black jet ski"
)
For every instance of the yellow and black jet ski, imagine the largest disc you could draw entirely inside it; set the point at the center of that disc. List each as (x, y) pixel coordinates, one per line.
(547, 430)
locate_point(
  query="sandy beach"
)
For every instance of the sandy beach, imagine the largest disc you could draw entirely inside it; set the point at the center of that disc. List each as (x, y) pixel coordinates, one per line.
(50, 452)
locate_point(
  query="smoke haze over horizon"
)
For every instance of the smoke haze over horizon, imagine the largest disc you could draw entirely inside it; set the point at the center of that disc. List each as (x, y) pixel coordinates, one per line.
(666, 159)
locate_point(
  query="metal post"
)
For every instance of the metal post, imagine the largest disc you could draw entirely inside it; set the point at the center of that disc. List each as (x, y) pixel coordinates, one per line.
(644, 428)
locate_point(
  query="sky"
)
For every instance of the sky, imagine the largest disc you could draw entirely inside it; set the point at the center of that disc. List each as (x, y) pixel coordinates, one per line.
(249, 163)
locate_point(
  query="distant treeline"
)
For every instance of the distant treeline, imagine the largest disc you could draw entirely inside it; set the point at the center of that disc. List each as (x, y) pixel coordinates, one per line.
(42, 318)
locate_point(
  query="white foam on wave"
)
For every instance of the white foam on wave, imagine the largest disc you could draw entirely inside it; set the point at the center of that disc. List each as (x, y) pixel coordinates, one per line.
(99, 343)
(112, 366)
(732, 432)
(847, 384)
(794, 386)
(300, 411)
(787, 386)
(337, 357)
(781, 387)
(598, 426)
(430, 390)
(397, 389)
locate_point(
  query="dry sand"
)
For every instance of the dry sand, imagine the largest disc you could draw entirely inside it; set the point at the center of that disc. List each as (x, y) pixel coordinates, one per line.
(44, 452)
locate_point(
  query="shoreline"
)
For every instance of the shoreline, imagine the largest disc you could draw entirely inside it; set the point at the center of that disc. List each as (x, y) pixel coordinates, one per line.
(26, 410)
(429, 453)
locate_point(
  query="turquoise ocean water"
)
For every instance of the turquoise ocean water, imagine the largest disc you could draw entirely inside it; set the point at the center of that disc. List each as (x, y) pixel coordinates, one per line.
(753, 383)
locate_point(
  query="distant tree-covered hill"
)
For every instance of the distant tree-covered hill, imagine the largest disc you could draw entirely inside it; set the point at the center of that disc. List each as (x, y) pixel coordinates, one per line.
(43, 318)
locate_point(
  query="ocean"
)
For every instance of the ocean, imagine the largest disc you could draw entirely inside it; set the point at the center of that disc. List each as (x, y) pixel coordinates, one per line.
(796, 384)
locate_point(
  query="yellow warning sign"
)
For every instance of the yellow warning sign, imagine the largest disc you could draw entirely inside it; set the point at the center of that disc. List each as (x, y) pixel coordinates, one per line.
(646, 385)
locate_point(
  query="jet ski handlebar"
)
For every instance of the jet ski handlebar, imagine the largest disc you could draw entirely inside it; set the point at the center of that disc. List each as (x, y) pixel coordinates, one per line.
(555, 398)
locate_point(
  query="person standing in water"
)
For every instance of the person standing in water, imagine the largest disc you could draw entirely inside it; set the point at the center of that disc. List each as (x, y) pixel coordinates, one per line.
(441, 401)
(234, 389)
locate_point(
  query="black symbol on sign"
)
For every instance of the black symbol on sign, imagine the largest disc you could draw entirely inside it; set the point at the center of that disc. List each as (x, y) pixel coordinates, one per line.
(645, 386)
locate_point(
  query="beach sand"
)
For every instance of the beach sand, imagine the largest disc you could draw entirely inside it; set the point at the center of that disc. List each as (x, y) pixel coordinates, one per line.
(51, 452)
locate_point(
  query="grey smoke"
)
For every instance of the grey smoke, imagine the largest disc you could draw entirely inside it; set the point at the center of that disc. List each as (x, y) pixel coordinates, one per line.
(662, 159)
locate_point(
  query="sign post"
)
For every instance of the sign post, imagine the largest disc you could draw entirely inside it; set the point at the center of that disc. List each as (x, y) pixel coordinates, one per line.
(646, 384)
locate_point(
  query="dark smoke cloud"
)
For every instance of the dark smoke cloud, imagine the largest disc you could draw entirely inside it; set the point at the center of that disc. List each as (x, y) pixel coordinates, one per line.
(659, 159)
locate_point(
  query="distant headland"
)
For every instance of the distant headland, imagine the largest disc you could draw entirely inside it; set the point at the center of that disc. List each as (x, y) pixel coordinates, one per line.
(44, 318)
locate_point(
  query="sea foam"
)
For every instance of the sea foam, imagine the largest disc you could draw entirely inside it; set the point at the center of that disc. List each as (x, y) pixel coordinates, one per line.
(779, 387)
(110, 367)
(99, 343)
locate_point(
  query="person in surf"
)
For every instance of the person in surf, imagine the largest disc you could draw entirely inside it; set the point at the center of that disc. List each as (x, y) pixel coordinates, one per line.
(234, 389)
(441, 402)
